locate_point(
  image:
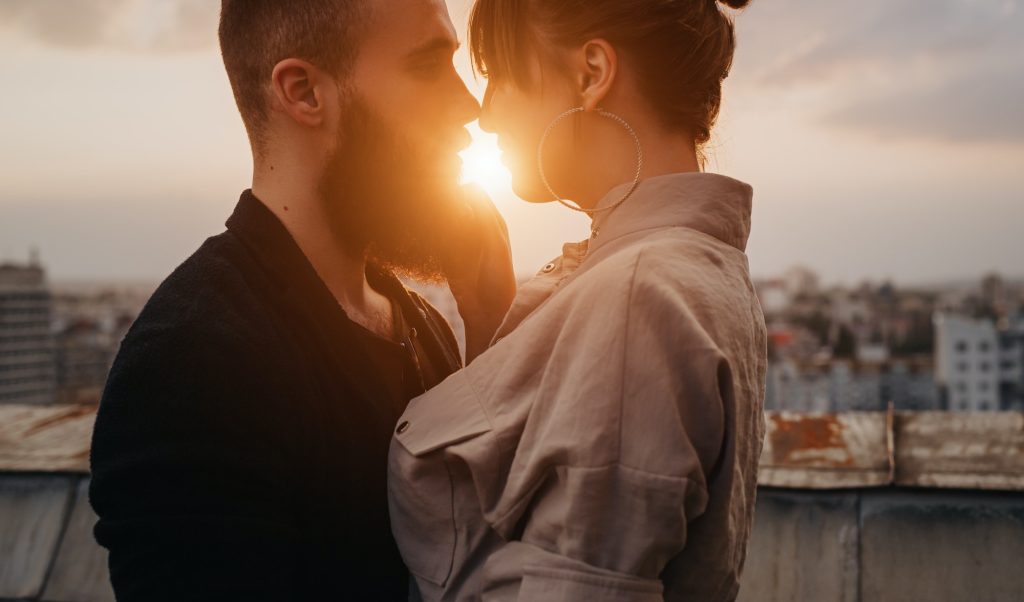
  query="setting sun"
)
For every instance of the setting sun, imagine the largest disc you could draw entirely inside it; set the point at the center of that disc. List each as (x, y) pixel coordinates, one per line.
(482, 165)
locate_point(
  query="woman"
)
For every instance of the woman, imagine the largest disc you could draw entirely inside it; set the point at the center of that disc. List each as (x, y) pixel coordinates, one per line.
(605, 446)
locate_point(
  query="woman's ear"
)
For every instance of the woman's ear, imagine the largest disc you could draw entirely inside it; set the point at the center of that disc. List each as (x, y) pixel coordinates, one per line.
(297, 91)
(598, 68)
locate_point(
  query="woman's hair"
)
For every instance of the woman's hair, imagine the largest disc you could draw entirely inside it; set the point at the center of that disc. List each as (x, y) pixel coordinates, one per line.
(679, 50)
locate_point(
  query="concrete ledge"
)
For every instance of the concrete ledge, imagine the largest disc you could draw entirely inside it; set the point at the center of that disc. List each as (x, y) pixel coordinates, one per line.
(979, 450)
(955, 450)
(54, 438)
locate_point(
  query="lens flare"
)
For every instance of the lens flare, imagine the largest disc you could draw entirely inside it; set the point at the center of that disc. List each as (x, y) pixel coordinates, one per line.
(482, 165)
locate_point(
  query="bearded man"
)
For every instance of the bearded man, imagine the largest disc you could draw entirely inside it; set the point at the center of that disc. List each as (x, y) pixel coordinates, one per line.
(240, 448)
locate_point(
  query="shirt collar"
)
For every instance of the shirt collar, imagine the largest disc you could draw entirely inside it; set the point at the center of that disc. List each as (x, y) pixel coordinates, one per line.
(714, 204)
(269, 241)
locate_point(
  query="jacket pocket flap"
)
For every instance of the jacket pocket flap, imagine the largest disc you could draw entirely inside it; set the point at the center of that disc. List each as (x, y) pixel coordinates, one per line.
(445, 415)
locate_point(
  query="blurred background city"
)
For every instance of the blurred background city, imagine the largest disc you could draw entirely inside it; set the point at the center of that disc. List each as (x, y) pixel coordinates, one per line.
(957, 346)
(885, 144)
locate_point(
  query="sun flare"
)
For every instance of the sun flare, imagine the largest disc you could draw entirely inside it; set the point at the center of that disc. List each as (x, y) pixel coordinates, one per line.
(482, 165)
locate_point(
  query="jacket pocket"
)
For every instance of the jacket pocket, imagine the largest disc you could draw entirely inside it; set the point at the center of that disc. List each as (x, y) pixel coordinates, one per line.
(420, 485)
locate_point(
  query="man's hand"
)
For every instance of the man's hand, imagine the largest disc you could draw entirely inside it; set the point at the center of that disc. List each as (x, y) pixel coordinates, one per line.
(479, 271)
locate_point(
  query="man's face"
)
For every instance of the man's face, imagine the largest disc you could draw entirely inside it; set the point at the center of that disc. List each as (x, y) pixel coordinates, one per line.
(390, 184)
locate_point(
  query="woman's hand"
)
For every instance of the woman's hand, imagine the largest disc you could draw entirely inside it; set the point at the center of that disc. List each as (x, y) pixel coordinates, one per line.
(479, 271)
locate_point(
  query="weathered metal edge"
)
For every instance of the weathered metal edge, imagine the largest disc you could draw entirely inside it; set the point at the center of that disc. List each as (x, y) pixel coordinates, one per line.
(983, 450)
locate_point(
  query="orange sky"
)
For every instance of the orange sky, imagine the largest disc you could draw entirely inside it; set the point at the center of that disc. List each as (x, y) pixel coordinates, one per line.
(882, 140)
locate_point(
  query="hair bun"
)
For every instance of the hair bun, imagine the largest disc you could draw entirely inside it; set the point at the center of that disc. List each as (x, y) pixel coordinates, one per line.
(735, 3)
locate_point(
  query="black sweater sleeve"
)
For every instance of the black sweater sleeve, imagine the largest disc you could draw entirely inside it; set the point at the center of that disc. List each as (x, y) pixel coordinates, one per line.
(190, 468)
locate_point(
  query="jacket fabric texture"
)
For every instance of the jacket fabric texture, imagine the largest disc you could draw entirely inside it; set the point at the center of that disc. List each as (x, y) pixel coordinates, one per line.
(605, 447)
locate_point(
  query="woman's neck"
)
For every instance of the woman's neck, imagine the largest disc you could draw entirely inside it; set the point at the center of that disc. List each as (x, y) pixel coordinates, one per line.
(663, 153)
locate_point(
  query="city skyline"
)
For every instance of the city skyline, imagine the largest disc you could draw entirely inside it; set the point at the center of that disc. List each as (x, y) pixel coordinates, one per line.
(888, 148)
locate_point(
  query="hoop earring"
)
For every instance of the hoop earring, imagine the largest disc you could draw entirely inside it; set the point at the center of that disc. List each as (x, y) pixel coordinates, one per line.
(603, 113)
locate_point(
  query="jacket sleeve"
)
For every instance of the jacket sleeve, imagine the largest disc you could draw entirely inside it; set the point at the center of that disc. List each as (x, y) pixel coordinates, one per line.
(601, 526)
(189, 474)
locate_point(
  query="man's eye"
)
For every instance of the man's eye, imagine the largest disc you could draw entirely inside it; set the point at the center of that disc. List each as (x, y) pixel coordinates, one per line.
(430, 65)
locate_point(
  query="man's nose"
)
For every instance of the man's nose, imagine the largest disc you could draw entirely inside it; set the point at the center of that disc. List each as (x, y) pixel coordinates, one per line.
(487, 112)
(467, 109)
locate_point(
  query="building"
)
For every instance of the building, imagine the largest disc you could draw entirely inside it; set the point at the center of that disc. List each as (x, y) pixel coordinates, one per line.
(978, 365)
(910, 384)
(1011, 365)
(27, 369)
(841, 385)
(89, 321)
(85, 351)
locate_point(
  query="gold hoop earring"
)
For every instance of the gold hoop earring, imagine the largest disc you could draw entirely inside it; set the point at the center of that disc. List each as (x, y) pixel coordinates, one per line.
(603, 113)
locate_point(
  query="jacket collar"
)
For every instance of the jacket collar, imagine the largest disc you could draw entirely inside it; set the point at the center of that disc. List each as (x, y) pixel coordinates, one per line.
(714, 204)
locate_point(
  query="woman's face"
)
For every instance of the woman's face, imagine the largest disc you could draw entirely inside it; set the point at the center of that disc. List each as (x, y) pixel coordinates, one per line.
(519, 115)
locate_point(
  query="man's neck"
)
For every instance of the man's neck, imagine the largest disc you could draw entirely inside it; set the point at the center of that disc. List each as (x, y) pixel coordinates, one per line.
(300, 209)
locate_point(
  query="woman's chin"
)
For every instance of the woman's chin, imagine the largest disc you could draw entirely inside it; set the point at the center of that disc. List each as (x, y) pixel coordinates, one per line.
(531, 192)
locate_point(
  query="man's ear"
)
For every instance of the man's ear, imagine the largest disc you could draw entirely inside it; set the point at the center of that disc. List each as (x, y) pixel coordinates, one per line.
(598, 67)
(298, 89)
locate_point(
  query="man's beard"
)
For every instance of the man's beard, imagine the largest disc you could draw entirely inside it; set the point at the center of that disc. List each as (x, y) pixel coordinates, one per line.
(388, 200)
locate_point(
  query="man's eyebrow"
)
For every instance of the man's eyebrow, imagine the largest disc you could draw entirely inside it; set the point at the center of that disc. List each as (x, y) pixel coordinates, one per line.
(438, 44)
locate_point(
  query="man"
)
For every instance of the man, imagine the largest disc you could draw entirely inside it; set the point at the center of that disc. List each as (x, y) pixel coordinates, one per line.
(240, 449)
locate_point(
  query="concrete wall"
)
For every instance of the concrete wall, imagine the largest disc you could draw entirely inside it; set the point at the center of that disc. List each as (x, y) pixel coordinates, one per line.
(886, 545)
(47, 551)
(860, 545)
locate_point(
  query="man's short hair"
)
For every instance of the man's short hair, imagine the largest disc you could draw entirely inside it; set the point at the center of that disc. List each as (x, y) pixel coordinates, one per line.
(255, 35)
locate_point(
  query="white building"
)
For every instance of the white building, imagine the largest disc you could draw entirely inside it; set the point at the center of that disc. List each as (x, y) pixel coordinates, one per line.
(27, 368)
(977, 366)
(773, 296)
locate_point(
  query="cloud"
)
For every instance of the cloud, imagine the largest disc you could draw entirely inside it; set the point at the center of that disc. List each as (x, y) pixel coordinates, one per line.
(130, 25)
(936, 69)
(73, 24)
(973, 107)
(793, 41)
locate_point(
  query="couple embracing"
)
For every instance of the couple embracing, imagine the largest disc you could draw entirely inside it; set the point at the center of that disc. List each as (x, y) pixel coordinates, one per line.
(285, 420)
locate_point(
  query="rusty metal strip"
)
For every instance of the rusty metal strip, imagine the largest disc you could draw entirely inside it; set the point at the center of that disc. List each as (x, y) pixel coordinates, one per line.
(825, 451)
(967, 450)
(46, 438)
(980, 450)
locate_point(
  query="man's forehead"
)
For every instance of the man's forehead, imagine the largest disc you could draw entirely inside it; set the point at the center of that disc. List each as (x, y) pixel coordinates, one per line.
(409, 24)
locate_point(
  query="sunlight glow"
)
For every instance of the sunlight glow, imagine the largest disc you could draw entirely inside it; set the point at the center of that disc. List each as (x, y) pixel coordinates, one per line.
(482, 165)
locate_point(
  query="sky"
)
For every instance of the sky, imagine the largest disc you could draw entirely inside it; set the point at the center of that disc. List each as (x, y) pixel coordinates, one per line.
(884, 139)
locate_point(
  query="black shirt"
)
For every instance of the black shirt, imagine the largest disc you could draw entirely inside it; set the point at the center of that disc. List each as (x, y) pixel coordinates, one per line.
(240, 448)
(404, 355)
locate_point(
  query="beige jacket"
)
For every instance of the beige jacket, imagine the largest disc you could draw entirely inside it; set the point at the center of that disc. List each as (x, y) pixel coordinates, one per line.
(605, 448)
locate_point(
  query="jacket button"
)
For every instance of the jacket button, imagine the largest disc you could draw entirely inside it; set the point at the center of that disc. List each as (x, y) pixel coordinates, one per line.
(548, 268)
(412, 333)
(402, 427)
